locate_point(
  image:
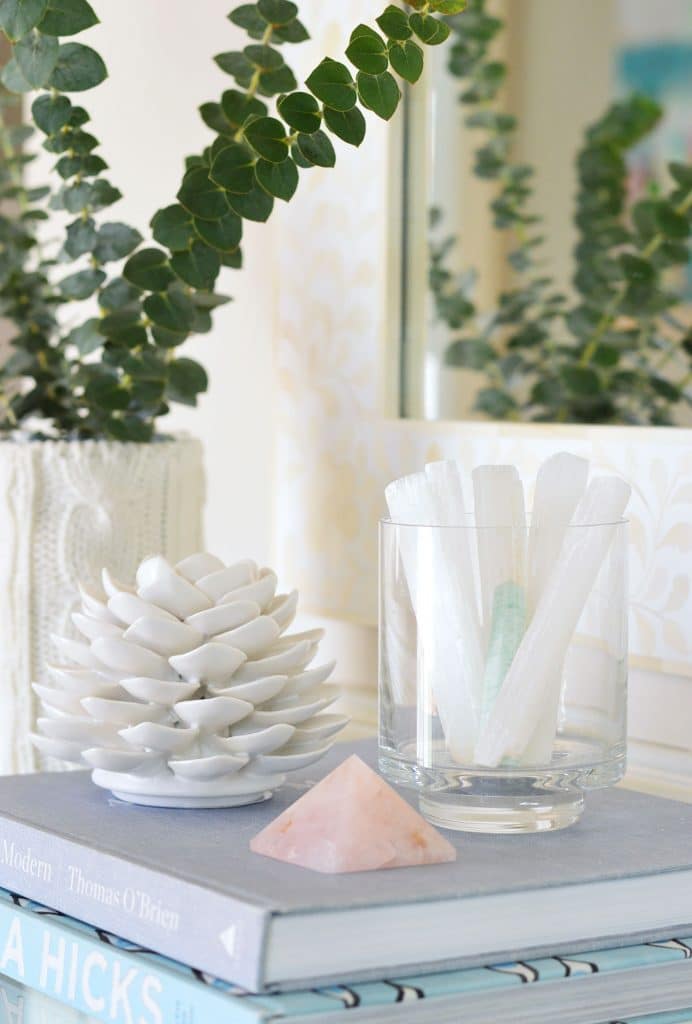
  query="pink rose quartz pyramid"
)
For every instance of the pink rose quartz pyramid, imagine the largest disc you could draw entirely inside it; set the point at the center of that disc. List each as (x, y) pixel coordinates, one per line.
(352, 821)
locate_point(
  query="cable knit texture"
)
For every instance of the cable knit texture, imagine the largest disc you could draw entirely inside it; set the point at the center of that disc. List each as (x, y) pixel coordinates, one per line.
(67, 508)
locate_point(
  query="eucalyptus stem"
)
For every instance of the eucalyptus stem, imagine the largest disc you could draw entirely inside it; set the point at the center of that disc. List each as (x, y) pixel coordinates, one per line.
(611, 311)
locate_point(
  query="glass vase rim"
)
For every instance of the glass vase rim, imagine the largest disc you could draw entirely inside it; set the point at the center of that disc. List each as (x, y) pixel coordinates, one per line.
(386, 521)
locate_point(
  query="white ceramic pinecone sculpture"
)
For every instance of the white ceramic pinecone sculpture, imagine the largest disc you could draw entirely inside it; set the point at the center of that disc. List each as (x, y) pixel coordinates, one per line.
(185, 692)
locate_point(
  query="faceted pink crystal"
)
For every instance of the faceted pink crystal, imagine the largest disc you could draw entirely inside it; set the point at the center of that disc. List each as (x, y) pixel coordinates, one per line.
(352, 821)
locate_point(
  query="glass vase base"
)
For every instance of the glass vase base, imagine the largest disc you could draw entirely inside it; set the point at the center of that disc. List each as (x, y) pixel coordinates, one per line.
(472, 799)
(502, 814)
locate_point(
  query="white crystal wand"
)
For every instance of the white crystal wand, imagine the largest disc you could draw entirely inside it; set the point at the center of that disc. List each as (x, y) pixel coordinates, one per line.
(541, 654)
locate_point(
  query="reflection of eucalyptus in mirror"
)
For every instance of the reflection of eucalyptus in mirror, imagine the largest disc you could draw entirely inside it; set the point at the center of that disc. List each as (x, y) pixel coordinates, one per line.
(617, 350)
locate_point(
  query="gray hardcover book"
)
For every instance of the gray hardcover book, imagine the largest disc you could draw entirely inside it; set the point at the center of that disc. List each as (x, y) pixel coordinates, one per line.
(185, 884)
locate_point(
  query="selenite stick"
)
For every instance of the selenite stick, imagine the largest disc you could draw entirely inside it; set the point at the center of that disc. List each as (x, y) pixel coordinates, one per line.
(442, 674)
(408, 502)
(500, 530)
(560, 485)
(537, 666)
(447, 497)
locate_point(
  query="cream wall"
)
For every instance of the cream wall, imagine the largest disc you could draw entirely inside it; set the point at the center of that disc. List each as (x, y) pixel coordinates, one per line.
(159, 56)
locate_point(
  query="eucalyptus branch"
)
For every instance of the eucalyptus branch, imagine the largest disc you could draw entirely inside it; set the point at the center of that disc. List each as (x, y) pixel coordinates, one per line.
(598, 360)
(113, 375)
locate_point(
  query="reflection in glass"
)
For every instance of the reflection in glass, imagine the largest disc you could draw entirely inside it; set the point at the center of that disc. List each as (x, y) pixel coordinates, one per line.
(517, 301)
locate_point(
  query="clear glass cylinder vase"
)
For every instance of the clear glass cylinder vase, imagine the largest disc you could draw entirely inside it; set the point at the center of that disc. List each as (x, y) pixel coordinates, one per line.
(503, 670)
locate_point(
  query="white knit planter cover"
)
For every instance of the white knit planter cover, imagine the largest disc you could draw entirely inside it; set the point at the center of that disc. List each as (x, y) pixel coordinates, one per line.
(67, 509)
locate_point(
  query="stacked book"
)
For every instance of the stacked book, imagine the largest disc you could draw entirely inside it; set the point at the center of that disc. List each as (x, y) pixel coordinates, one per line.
(132, 915)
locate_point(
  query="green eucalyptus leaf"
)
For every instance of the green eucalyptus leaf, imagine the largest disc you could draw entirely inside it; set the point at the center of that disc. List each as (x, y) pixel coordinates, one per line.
(237, 65)
(36, 55)
(197, 266)
(172, 310)
(317, 149)
(232, 259)
(210, 300)
(75, 198)
(247, 16)
(672, 224)
(115, 241)
(637, 269)
(103, 194)
(200, 196)
(165, 338)
(68, 167)
(237, 107)
(224, 234)
(292, 32)
(81, 237)
(665, 388)
(267, 136)
(149, 268)
(644, 219)
(271, 83)
(87, 337)
(78, 117)
(430, 30)
(606, 356)
(186, 380)
(104, 391)
(449, 6)
(379, 93)
(277, 12)
(367, 50)
(581, 380)
(472, 353)
(214, 117)
(682, 174)
(202, 323)
(257, 205)
(125, 327)
(148, 391)
(17, 17)
(173, 227)
(331, 82)
(298, 158)
(495, 403)
(87, 166)
(348, 125)
(280, 180)
(58, 143)
(117, 294)
(301, 111)
(17, 134)
(266, 58)
(130, 429)
(233, 168)
(78, 68)
(13, 78)
(82, 142)
(407, 60)
(82, 284)
(67, 17)
(394, 23)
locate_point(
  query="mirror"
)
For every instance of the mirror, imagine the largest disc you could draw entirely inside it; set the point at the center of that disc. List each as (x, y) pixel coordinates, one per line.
(478, 225)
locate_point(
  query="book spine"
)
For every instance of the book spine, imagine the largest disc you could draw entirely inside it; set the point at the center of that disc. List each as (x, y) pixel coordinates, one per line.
(63, 962)
(210, 931)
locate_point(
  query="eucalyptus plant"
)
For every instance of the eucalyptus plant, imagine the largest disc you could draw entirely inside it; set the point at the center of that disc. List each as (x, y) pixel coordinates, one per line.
(117, 368)
(616, 353)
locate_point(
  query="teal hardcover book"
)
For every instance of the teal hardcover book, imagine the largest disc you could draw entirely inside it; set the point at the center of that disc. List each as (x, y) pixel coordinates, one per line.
(107, 979)
(185, 883)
